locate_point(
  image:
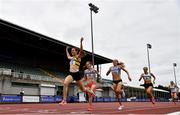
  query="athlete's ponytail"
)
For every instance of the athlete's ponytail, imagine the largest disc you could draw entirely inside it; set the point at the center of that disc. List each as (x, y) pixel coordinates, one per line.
(121, 64)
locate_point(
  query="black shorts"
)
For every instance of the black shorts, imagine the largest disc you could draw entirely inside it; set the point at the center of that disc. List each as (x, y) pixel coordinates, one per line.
(148, 85)
(117, 81)
(76, 76)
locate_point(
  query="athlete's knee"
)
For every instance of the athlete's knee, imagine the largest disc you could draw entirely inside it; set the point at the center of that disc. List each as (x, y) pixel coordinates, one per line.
(118, 91)
(66, 84)
(148, 92)
(83, 89)
(172, 95)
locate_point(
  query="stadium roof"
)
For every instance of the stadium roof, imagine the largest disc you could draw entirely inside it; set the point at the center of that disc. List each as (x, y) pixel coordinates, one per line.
(16, 34)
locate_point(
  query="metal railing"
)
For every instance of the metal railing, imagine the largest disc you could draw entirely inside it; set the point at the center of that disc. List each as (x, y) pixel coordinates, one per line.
(32, 77)
(25, 76)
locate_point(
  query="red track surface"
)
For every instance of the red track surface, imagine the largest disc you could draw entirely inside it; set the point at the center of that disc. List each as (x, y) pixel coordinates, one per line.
(99, 108)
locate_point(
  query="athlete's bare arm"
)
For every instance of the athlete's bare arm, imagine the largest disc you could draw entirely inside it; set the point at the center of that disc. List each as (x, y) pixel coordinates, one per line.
(153, 77)
(84, 78)
(125, 70)
(141, 77)
(108, 72)
(67, 53)
(81, 52)
(96, 72)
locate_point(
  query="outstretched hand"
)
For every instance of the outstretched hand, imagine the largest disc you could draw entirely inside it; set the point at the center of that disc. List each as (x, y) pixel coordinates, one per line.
(98, 78)
(67, 47)
(129, 79)
(82, 39)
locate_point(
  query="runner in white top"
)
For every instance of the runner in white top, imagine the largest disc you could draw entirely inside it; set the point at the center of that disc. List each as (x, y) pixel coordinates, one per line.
(117, 81)
(173, 88)
(148, 83)
(90, 78)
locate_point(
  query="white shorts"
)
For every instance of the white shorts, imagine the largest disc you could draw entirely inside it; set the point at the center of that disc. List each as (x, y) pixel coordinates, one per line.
(173, 90)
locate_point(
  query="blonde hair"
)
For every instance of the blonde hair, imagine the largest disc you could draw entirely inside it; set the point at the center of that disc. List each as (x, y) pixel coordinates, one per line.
(122, 64)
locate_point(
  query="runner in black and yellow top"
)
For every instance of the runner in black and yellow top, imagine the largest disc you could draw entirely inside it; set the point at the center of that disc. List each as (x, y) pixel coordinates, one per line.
(117, 81)
(148, 83)
(74, 73)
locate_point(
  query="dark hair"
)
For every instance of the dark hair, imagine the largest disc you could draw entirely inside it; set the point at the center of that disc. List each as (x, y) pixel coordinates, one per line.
(84, 67)
(145, 68)
(77, 49)
(89, 62)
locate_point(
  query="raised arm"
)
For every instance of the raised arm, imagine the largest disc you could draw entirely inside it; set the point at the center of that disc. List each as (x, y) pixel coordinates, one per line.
(153, 77)
(81, 52)
(125, 70)
(67, 53)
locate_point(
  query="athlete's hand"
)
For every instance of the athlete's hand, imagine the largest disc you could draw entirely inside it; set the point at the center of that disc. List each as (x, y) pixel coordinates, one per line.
(98, 77)
(129, 78)
(67, 47)
(82, 39)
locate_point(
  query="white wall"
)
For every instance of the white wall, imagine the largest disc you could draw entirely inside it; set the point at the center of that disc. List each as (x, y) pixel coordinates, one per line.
(47, 91)
(7, 88)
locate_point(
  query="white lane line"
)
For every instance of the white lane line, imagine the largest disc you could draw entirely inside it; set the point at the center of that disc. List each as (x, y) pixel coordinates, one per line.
(174, 113)
(130, 109)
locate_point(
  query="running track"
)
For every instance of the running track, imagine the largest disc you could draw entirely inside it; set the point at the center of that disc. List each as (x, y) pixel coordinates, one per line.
(99, 108)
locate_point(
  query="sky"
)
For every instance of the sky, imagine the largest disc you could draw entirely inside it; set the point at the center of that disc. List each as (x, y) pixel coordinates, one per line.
(122, 28)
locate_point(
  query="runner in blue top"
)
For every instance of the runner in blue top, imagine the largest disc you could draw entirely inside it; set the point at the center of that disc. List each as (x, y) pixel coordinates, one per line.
(90, 78)
(117, 81)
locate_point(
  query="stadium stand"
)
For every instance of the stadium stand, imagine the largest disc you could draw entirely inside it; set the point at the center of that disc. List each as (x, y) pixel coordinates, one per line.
(37, 63)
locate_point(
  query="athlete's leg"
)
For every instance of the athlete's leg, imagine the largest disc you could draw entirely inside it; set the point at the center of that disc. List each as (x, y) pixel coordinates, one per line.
(80, 84)
(90, 102)
(119, 92)
(67, 81)
(173, 95)
(150, 94)
(123, 93)
(93, 87)
(149, 91)
(113, 87)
